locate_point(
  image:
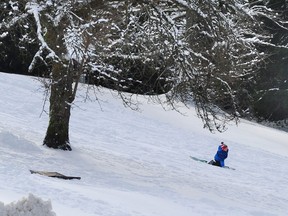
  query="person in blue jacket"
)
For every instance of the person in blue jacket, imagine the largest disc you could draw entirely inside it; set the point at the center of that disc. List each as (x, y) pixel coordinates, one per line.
(220, 156)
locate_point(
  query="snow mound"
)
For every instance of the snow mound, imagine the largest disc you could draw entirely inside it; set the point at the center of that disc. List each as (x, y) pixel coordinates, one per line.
(11, 141)
(31, 206)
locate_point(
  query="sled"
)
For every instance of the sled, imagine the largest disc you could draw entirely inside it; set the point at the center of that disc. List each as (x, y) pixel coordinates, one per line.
(54, 175)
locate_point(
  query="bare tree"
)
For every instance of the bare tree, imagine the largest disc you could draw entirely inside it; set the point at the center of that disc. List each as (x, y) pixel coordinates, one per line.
(63, 37)
(209, 49)
(63, 31)
(212, 51)
(223, 49)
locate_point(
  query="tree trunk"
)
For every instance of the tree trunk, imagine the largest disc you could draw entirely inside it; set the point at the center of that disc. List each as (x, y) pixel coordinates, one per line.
(61, 97)
(57, 135)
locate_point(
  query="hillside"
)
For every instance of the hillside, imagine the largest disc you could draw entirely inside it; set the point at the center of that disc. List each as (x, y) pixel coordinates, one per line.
(136, 163)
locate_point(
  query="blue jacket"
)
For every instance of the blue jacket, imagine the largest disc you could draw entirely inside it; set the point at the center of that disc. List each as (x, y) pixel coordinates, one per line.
(221, 156)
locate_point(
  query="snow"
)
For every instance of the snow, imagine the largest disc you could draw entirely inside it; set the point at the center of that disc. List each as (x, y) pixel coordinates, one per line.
(27, 207)
(133, 163)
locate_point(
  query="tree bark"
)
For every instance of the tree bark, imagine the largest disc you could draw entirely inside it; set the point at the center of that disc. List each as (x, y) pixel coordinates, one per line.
(61, 97)
(57, 135)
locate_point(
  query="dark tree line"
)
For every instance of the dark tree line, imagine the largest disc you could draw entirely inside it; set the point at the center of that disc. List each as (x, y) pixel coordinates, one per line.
(271, 90)
(217, 54)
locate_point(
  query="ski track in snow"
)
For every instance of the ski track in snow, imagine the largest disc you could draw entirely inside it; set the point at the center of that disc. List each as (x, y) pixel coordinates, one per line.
(133, 163)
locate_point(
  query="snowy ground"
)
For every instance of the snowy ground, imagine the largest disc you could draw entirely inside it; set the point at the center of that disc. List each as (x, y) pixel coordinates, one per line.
(136, 163)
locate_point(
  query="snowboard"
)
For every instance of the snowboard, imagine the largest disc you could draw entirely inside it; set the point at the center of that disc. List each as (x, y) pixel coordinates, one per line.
(207, 162)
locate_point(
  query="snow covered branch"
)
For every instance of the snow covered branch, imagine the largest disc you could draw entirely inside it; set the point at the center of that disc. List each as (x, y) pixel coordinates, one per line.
(35, 9)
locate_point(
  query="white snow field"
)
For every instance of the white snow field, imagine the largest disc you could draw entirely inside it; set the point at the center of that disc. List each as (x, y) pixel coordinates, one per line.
(133, 163)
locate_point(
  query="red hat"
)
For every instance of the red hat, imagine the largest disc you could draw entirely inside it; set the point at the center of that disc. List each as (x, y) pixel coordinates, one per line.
(224, 147)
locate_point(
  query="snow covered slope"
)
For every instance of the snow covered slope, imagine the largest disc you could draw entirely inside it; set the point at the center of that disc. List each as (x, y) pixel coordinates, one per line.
(137, 163)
